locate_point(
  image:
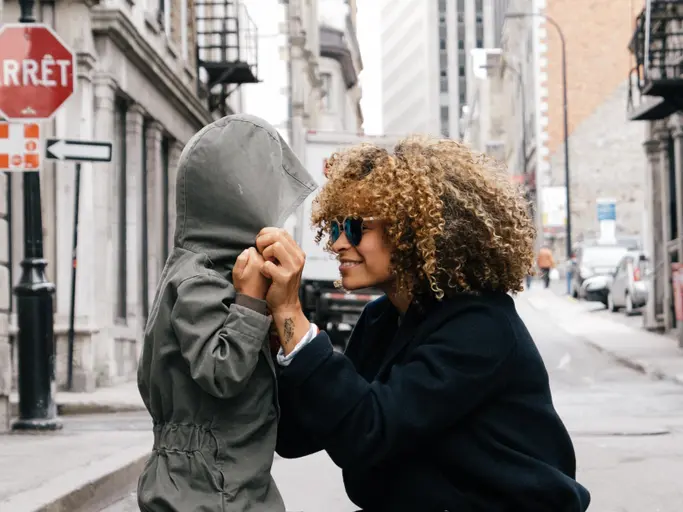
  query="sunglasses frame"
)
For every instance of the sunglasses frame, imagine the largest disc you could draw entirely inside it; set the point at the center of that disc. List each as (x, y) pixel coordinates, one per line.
(342, 229)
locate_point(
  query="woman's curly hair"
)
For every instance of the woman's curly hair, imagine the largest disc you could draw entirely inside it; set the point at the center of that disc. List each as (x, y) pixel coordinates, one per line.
(454, 219)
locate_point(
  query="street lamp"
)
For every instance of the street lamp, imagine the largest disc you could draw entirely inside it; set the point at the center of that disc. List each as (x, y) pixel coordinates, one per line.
(35, 341)
(517, 15)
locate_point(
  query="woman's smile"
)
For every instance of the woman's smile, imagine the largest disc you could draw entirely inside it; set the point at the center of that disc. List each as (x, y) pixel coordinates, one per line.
(347, 265)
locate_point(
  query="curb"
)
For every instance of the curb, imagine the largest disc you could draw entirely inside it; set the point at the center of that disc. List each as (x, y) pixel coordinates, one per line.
(643, 368)
(100, 483)
(73, 409)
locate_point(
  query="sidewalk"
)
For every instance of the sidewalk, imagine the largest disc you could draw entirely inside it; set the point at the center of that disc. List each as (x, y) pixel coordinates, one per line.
(91, 459)
(652, 354)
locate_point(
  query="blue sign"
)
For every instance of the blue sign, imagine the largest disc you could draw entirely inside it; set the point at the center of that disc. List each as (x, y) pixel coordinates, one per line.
(607, 211)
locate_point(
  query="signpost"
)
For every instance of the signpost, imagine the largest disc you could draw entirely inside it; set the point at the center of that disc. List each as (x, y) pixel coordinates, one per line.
(78, 151)
(37, 72)
(37, 75)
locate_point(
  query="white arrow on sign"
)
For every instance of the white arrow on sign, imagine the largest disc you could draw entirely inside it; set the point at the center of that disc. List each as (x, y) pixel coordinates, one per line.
(84, 150)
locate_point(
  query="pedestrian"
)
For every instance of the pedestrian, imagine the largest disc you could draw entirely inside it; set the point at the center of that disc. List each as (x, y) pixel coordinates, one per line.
(545, 263)
(441, 401)
(206, 373)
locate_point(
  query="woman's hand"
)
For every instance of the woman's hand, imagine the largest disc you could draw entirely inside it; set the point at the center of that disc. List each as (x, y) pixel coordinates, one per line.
(247, 277)
(284, 263)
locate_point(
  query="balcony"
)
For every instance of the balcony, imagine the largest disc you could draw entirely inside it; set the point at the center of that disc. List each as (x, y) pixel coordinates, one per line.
(227, 51)
(657, 46)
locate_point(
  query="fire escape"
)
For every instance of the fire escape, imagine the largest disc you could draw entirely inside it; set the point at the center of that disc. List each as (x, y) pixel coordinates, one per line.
(227, 51)
(657, 46)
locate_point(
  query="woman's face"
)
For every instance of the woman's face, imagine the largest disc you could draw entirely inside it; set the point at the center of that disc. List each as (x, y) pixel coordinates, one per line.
(368, 264)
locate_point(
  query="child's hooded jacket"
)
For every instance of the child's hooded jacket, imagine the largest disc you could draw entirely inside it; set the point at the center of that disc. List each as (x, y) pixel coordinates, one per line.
(206, 374)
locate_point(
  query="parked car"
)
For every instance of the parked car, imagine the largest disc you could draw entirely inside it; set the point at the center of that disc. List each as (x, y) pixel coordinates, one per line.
(628, 287)
(594, 259)
(596, 288)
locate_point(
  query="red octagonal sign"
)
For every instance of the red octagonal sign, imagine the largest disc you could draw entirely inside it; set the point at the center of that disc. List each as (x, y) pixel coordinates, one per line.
(37, 72)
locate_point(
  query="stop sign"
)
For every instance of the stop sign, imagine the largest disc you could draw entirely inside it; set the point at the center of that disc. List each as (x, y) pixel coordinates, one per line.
(37, 72)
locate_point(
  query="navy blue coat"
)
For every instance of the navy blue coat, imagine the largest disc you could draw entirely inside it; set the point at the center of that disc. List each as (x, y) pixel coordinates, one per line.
(447, 409)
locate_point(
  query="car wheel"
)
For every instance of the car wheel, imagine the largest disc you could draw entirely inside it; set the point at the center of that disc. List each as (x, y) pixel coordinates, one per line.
(629, 309)
(610, 303)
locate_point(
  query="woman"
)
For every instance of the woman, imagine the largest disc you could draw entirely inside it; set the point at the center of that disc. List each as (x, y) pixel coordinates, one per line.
(441, 401)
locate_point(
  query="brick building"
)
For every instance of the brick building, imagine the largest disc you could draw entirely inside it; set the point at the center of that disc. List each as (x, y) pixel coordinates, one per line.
(604, 148)
(149, 76)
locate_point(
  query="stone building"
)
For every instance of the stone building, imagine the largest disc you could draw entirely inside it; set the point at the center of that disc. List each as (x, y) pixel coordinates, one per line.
(655, 103)
(149, 76)
(605, 160)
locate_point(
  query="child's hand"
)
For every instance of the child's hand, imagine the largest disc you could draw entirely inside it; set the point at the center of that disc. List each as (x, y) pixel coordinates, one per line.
(247, 277)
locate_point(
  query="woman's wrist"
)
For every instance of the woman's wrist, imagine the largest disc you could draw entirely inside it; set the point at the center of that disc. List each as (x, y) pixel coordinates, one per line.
(292, 326)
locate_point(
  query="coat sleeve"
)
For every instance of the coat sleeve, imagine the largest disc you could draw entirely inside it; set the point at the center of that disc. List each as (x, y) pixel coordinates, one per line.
(293, 439)
(221, 341)
(448, 375)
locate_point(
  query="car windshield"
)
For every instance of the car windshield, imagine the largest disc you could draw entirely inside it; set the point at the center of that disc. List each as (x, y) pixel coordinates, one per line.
(607, 256)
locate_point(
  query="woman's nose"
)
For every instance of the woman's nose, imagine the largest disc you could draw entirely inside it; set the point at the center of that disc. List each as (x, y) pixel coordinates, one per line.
(341, 244)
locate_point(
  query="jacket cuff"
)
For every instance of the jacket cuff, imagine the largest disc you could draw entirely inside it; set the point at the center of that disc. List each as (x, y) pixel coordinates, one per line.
(257, 305)
(307, 360)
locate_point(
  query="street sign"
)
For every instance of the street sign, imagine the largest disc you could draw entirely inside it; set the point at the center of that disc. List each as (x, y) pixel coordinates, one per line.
(78, 150)
(20, 147)
(37, 72)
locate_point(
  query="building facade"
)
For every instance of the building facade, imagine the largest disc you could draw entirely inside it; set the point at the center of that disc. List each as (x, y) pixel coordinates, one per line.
(148, 79)
(426, 63)
(340, 67)
(655, 100)
(604, 163)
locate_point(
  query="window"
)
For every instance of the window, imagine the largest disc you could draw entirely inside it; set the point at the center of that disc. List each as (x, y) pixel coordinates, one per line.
(480, 43)
(443, 83)
(461, 44)
(443, 60)
(122, 218)
(461, 5)
(165, 236)
(442, 44)
(461, 71)
(444, 114)
(478, 5)
(326, 79)
(164, 16)
(184, 42)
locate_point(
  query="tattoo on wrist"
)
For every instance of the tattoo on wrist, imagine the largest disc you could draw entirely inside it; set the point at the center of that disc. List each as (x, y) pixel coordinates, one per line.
(289, 330)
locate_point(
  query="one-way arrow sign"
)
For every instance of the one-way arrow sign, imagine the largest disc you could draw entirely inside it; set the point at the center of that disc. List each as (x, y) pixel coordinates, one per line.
(79, 150)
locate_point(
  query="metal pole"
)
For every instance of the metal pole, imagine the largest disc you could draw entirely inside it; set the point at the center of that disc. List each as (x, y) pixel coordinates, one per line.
(74, 266)
(35, 341)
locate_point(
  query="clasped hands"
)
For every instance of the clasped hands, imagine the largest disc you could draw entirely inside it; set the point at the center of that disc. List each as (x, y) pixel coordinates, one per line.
(272, 272)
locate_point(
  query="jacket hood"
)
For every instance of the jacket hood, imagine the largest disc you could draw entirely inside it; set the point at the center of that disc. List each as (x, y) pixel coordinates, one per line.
(235, 177)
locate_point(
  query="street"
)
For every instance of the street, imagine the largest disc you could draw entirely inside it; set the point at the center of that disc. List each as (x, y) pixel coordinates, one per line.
(627, 430)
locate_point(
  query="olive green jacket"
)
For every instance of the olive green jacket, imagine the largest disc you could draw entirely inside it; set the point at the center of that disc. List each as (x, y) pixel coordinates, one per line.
(206, 374)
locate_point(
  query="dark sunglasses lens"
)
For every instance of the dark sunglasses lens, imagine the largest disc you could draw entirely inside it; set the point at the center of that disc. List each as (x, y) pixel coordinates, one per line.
(335, 231)
(353, 229)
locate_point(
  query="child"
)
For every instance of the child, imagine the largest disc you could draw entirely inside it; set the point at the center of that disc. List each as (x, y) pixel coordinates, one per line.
(206, 374)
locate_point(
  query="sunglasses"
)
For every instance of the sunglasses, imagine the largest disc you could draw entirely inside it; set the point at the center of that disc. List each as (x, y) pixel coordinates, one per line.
(352, 227)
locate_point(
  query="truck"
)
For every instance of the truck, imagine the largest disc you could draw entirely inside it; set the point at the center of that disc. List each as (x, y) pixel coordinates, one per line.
(332, 309)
